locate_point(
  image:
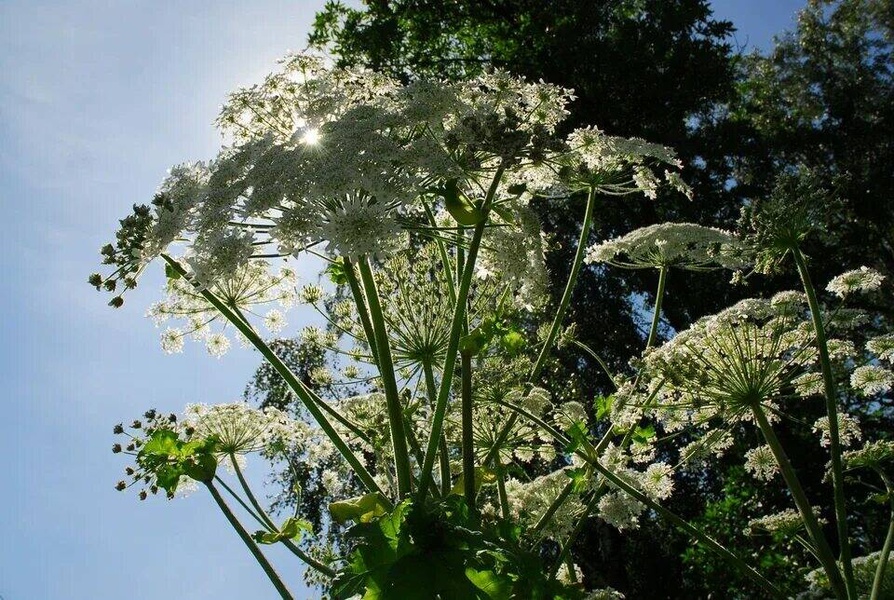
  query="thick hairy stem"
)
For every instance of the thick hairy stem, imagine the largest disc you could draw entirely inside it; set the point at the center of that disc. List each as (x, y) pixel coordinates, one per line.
(445, 259)
(251, 497)
(821, 545)
(265, 518)
(468, 440)
(295, 384)
(456, 329)
(832, 412)
(250, 543)
(386, 370)
(559, 317)
(656, 317)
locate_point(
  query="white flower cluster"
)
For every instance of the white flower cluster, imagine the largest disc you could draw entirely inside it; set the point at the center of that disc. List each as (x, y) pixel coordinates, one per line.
(529, 501)
(724, 364)
(883, 347)
(863, 279)
(680, 245)
(249, 288)
(870, 455)
(870, 380)
(787, 522)
(864, 576)
(241, 429)
(848, 430)
(343, 160)
(761, 463)
(512, 254)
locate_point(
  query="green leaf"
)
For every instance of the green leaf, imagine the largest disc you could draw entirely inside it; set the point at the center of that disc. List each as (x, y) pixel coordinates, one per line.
(642, 435)
(577, 434)
(493, 586)
(459, 207)
(603, 405)
(290, 529)
(483, 475)
(361, 509)
(171, 272)
(200, 467)
(336, 272)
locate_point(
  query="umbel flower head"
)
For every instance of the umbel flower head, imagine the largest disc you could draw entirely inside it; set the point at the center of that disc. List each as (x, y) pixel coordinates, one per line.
(679, 245)
(773, 227)
(250, 288)
(727, 363)
(341, 161)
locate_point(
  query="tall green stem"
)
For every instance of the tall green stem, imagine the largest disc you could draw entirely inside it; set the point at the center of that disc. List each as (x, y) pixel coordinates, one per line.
(821, 545)
(289, 377)
(879, 578)
(468, 440)
(251, 497)
(445, 259)
(456, 328)
(559, 317)
(360, 305)
(576, 266)
(443, 451)
(250, 543)
(501, 492)
(832, 413)
(386, 370)
(656, 317)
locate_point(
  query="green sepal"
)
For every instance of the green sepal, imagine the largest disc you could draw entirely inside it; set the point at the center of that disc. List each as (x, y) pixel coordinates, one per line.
(642, 435)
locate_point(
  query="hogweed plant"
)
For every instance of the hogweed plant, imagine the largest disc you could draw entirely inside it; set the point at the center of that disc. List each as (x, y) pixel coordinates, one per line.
(450, 467)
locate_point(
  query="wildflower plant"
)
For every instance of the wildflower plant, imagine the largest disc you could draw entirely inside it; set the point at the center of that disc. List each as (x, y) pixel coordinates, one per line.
(448, 464)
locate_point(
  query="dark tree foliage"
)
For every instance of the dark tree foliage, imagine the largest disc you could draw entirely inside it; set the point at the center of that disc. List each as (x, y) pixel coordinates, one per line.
(824, 98)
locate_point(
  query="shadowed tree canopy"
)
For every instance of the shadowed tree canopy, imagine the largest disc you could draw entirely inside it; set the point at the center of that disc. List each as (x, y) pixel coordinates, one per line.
(824, 98)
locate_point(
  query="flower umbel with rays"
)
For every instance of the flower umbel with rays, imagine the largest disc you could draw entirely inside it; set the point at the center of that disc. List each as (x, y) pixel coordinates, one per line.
(250, 289)
(678, 245)
(726, 365)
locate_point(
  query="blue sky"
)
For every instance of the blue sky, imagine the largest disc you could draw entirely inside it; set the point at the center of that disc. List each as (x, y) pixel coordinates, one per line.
(97, 100)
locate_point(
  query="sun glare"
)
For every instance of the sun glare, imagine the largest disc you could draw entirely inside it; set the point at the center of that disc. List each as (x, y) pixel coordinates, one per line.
(311, 137)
